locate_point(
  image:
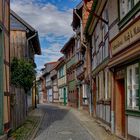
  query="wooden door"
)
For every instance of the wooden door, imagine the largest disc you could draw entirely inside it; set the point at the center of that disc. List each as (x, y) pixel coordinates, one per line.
(120, 107)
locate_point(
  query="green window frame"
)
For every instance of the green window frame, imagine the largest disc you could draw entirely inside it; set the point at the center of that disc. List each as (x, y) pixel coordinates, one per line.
(133, 89)
(134, 9)
(61, 72)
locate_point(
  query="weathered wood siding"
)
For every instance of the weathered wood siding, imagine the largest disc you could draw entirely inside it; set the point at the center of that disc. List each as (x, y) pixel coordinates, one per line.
(18, 49)
(18, 44)
(18, 107)
(4, 66)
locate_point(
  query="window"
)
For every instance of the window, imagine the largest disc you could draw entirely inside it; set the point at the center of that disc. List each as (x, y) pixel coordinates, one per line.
(106, 48)
(106, 84)
(126, 6)
(93, 43)
(133, 87)
(94, 62)
(136, 1)
(61, 72)
(78, 44)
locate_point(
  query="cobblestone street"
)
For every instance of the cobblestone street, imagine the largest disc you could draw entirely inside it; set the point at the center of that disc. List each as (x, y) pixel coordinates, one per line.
(60, 124)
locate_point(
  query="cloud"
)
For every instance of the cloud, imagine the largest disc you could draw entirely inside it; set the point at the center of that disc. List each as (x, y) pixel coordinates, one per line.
(49, 54)
(52, 22)
(46, 18)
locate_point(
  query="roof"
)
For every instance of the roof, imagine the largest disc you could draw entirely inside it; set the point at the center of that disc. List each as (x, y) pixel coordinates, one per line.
(60, 61)
(50, 63)
(22, 21)
(17, 23)
(67, 44)
(48, 68)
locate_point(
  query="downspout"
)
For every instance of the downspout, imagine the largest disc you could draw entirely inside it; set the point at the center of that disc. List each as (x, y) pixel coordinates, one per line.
(81, 24)
(29, 40)
(1, 83)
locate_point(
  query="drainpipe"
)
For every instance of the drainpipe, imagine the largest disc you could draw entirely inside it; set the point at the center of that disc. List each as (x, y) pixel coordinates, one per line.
(81, 24)
(1, 84)
(29, 40)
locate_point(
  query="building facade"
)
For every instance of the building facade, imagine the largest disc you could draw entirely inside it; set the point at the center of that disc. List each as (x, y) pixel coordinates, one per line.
(24, 44)
(55, 94)
(47, 82)
(69, 51)
(4, 66)
(99, 41)
(124, 36)
(62, 81)
(81, 68)
(39, 90)
(112, 31)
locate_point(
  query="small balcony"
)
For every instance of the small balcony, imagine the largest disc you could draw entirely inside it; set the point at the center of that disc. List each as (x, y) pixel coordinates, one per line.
(71, 62)
(80, 71)
(79, 59)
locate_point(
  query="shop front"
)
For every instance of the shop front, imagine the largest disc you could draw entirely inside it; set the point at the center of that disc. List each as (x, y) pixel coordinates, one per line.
(125, 85)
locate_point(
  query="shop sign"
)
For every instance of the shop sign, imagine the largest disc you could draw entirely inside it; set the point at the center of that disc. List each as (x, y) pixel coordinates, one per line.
(127, 37)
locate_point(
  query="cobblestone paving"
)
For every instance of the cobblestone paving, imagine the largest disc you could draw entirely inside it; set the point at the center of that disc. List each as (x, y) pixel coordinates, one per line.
(60, 124)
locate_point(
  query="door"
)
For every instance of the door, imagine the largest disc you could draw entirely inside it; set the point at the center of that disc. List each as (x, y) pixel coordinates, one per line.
(65, 98)
(120, 107)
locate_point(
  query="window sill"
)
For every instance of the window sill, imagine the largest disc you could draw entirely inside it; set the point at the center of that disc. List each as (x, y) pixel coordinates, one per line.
(133, 112)
(61, 76)
(129, 15)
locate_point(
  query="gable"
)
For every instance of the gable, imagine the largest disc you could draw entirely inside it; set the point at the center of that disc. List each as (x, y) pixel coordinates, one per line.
(15, 24)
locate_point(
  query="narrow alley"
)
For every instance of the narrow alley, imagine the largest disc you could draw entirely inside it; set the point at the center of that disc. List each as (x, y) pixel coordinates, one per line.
(60, 124)
(69, 69)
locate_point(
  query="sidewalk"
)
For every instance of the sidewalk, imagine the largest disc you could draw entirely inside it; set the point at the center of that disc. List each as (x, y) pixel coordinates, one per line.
(92, 126)
(29, 129)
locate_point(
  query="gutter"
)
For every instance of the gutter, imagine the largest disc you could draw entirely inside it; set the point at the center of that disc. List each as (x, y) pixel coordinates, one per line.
(81, 24)
(1, 85)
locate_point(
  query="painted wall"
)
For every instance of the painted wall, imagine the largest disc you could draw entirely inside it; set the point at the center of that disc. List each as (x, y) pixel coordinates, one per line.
(4, 66)
(61, 94)
(134, 126)
(55, 90)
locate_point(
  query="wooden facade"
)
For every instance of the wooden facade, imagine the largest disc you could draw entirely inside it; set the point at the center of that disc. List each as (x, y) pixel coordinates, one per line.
(4, 66)
(124, 61)
(24, 44)
(69, 51)
(55, 94)
(81, 61)
(114, 36)
(46, 82)
(62, 81)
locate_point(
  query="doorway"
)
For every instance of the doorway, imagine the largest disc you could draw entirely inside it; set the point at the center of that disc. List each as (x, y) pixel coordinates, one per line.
(65, 102)
(120, 107)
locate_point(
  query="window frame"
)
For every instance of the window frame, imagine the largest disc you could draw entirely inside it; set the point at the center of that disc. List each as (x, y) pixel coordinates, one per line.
(128, 16)
(132, 110)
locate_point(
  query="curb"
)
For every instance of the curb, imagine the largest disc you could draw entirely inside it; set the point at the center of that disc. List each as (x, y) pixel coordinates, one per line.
(3, 137)
(37, 128)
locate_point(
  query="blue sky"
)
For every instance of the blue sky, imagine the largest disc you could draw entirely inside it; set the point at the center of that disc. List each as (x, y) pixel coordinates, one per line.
(52, 19)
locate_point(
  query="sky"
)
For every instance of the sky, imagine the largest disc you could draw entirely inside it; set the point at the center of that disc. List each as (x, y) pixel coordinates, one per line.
(52, 19)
